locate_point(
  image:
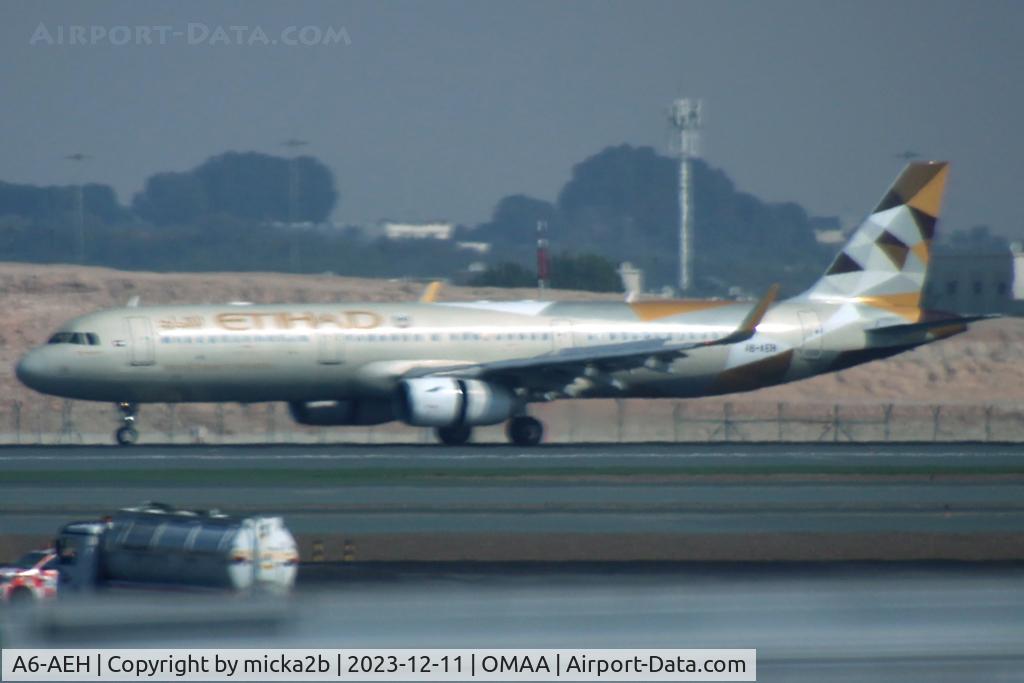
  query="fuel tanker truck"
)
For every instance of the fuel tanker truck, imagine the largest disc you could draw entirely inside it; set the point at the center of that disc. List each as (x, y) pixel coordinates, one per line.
(157, 546)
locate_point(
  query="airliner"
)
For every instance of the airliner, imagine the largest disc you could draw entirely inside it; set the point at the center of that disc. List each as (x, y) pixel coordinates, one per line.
(456, 366)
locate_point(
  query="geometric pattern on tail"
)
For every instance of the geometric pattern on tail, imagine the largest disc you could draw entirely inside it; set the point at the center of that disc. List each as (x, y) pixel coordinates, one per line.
(885, 261)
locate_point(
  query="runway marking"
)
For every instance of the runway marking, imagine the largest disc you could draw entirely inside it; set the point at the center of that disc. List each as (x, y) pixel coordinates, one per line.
(497, 457)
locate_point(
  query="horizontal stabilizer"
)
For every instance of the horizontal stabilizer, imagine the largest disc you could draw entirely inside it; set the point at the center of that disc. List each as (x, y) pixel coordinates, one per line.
(926, 326)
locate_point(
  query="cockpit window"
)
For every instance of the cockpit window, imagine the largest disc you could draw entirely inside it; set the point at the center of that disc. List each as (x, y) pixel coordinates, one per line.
(83, 338)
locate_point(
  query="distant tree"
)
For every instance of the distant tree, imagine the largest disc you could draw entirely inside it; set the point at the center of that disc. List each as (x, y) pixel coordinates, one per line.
(512, 230)
(588, 272)
(52, 204)
(245, 185)
(171, 198)
(623, 203)
(505, 274)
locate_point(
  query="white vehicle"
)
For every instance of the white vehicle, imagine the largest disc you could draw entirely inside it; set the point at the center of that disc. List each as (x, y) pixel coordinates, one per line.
(156, 546)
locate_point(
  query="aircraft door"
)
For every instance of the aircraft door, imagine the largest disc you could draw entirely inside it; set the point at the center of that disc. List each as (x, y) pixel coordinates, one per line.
(142, 346)
(330, 349)
(561, 335)
(811, 333)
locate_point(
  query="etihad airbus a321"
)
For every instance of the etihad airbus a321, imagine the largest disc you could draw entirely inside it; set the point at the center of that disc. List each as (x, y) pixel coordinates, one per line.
(455, 366)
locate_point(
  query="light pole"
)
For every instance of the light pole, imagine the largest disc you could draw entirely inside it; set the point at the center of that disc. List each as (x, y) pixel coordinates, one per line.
(78, 158)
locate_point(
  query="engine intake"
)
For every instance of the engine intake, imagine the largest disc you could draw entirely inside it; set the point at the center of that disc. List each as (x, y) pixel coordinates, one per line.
(448, 402)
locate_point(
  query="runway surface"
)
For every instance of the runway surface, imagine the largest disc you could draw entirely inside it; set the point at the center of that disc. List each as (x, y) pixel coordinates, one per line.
(835, 621)
(643, 491)
(847, 622)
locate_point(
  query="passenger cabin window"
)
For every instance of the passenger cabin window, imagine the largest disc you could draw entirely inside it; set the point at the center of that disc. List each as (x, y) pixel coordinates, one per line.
(82, 338)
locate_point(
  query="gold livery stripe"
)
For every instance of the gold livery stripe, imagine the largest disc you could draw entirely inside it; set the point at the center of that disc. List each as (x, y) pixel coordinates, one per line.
(907, 306)
(655, 310)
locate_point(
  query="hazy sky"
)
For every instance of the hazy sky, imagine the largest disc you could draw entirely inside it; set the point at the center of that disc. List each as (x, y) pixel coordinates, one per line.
(438, 109)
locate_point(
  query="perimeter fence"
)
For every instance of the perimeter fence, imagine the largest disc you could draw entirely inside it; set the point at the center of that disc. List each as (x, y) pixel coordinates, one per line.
(55, 422)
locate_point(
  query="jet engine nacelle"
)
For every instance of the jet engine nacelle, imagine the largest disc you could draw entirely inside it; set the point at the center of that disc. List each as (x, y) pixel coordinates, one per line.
(342, 413)
(448, 402)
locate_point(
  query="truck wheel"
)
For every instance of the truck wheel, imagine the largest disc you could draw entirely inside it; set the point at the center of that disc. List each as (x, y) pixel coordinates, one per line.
(21, 596)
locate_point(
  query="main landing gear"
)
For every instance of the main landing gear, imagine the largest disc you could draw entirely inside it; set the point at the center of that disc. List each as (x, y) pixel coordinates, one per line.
(127, 434)
(454, 436)
(522, 430)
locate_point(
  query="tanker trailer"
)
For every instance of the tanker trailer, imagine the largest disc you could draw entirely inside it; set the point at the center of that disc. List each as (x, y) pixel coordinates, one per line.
(155, 545)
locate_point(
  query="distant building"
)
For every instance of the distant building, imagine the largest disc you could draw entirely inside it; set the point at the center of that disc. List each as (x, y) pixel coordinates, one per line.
(478, 247)
(1018, 271)
(965, 280)
(827, 230)
(405, 231)
(829, 237)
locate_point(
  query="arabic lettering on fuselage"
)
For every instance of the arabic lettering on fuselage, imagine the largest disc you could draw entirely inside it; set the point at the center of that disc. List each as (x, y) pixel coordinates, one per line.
(244, 321)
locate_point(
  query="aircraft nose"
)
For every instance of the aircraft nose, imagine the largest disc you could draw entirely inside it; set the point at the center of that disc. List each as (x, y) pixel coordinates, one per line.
(30, 370)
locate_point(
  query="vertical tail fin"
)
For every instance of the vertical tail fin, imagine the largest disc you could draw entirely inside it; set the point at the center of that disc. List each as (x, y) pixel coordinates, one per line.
(885, 261)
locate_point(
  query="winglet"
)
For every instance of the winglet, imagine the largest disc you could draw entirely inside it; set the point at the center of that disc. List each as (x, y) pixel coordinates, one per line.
(749, 325)
(431, 291)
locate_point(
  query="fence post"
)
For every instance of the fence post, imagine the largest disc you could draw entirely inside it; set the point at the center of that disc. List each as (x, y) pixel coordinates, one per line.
(172, 413)
(675, 421)
(887, 412)
(726, 420)
(66, 426)
(936, 411)
(573, 415)
(988, 422)
(780, 407)
(271, 423)
(220, 421)
(619, 417)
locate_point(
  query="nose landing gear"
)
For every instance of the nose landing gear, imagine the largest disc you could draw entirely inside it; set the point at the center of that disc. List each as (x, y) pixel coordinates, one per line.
(127, 435)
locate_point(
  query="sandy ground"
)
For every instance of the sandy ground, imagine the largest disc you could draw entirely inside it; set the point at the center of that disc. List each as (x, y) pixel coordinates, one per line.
(981, 367)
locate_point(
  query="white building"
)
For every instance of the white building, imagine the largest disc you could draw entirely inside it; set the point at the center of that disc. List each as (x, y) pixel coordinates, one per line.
(405, 231)
(478, 247)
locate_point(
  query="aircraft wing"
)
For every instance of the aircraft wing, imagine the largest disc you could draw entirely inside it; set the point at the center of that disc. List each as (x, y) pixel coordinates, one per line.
(558, 368)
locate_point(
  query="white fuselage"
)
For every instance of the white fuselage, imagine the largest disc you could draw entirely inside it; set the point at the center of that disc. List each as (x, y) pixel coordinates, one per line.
(325, 352)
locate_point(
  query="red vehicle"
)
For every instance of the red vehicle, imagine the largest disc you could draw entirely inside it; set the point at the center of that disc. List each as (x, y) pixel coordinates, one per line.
(33, 577)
